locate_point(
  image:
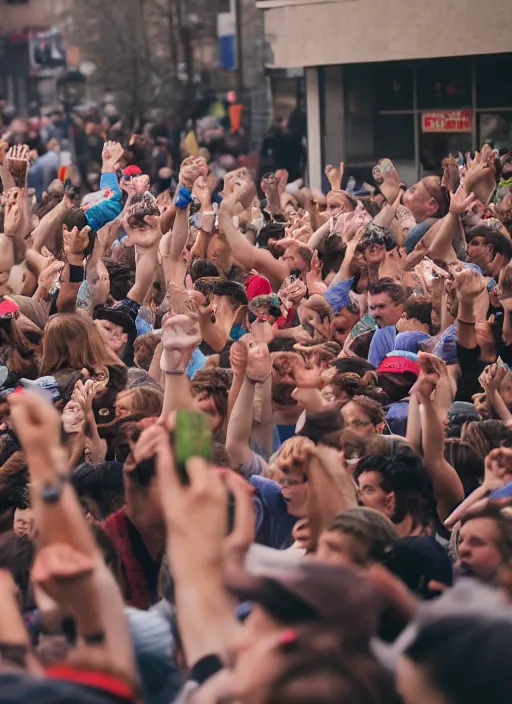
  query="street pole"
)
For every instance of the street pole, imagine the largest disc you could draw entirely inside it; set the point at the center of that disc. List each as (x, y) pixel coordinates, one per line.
(239, 51)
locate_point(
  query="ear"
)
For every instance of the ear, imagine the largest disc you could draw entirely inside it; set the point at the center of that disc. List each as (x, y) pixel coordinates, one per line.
(380, 427)
(124, 338)
(390, 503)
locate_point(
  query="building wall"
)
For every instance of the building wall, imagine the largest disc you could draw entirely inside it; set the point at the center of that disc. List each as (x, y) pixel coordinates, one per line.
(36, 13)
(316, 33)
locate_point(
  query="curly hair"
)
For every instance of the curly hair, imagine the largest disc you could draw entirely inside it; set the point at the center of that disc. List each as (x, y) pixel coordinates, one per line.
(214, 382)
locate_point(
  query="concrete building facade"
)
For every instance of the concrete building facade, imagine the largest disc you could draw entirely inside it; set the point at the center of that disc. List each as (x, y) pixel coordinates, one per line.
(408, 79)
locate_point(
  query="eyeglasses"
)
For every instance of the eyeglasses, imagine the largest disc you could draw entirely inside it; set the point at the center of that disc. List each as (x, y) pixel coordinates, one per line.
(283, 483)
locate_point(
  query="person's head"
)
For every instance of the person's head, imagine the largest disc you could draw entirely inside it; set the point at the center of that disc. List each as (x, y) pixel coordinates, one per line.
(339, 202)
(399, 488)
(488, 249)
(210, 388)
(145, 398)
(144, 349)
(99, 488)
(459, 659)
(202, 268)
(121, 279)
(291, 463)
(466, 461)
(340, 387)
(71, 340)
(23, 523)
(364, 415)
(356, 537)
(386, 302)
(427, 199)
(297, 256)
(485, 542)
(417, 315)
(395, 376)
(485, 435)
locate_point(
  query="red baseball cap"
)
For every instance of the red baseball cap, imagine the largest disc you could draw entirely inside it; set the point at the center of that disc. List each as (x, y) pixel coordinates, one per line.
(398, 365)
(132, 170)
(257, 286)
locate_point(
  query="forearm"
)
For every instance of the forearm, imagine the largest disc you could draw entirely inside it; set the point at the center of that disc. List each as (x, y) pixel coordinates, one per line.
(233, 392)
(61, 521)
(413, 435)
(447, 486)
(49, 225)
(66, 300)
(466, 336)
(464, 507)
(318, 237)
(498, 405)
(441, 246)
(385, 217)
(206, 617)
(154, 368)
(263, 428)
(167, 218)
(144, 273)
(177, 394)
(6, 178)
(240, 424)
(241, 249)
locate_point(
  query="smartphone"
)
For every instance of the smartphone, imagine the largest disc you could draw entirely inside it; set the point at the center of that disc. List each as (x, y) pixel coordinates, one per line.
(192, 437)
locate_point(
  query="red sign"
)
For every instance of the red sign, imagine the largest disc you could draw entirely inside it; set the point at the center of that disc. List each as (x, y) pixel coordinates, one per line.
(447, 121)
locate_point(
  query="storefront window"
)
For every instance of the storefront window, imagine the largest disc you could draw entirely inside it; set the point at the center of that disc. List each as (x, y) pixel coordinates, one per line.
(444, 83)
(394, 137)
(496, 127)
(393, 87)
(493, 85)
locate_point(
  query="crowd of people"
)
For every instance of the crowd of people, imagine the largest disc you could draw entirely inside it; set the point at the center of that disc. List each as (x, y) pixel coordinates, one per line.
(255, 441)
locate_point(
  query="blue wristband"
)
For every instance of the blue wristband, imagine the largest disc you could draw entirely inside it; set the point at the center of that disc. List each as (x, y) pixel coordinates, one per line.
(184, 197)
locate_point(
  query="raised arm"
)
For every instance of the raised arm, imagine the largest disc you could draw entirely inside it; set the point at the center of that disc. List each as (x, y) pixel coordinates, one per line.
(72, 568)
(257, 370)
(447, 486)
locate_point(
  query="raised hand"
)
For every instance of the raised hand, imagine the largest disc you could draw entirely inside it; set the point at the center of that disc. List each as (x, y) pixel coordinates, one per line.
(181, 334)
(13, 216)
(460, 201)
(335, 175)
(498, 468)
(492, 376)
(191, 169)
(202, 192)
(451, 177)
(282, 176)
(238, 353)
(432, 368)
(17, 161)
(50, 275)
(75, 241)
(142, 222)
(258, 366)
(469, 284)
(38, 427)
(111, 155)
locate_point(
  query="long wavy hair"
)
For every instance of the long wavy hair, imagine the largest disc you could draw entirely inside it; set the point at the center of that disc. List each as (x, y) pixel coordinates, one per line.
(72, 341)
